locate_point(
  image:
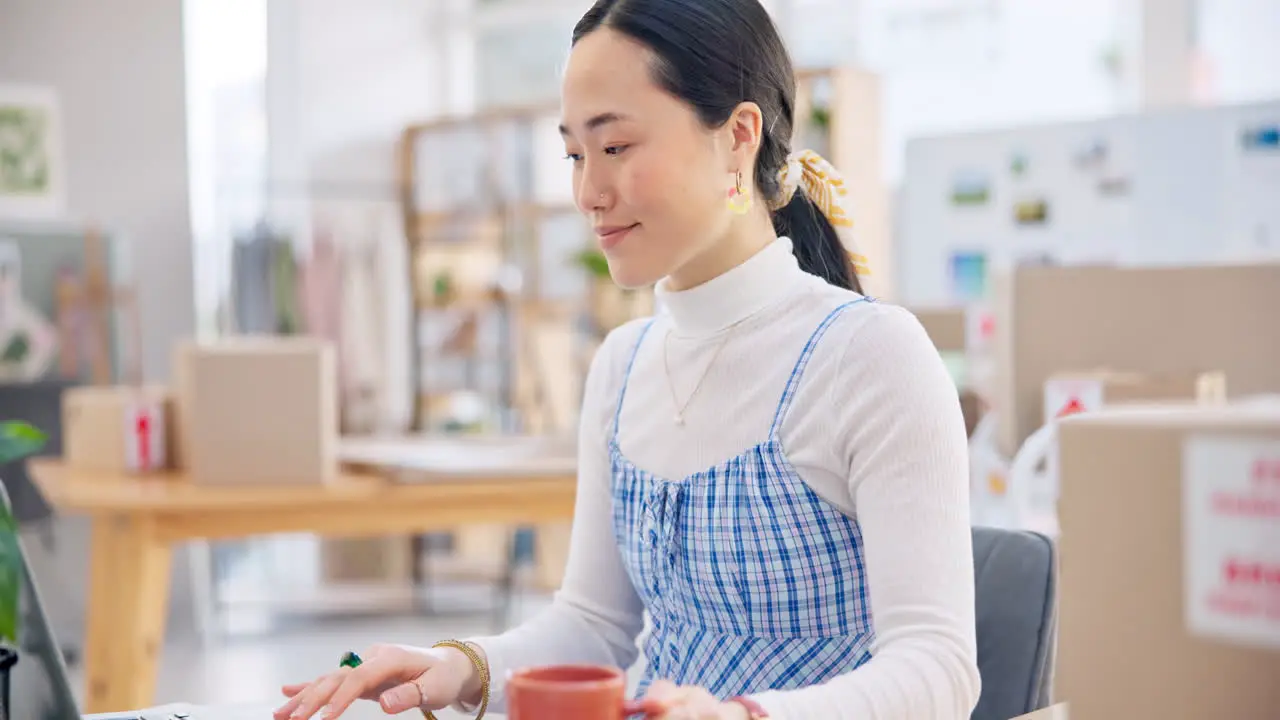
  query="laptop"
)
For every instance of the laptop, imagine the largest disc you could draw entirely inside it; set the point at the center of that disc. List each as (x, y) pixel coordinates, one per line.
(38, 685)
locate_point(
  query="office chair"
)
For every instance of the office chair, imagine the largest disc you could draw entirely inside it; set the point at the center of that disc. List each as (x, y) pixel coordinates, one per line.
(1015, 579)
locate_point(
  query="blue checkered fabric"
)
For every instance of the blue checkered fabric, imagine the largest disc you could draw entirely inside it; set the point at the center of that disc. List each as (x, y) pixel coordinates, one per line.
(751, 580)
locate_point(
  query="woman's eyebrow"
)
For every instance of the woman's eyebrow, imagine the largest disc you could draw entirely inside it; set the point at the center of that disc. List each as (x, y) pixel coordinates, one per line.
(596, 122)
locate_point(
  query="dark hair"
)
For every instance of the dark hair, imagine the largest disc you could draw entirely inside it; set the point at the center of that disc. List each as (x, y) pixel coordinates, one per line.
(715, 55)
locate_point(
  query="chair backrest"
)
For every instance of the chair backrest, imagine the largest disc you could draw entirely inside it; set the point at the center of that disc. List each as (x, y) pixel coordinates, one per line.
(1015, 576)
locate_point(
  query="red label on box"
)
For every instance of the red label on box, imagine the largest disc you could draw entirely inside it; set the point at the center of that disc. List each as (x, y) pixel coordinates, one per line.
(1231, 521)
(144, 436)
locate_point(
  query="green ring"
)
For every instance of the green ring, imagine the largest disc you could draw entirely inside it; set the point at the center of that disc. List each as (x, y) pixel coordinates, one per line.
(350, 660)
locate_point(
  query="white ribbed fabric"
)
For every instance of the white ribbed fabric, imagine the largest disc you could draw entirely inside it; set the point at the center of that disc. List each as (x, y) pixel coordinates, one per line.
(875, 429)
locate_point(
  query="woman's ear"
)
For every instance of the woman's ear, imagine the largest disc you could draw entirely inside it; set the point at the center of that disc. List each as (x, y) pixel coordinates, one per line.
(746, 128)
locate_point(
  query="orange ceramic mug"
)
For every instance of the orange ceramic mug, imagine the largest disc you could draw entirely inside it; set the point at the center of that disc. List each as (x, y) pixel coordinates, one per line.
(570, 692)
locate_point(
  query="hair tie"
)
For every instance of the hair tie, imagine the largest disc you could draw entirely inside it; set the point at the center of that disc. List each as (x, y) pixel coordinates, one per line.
(824, 187)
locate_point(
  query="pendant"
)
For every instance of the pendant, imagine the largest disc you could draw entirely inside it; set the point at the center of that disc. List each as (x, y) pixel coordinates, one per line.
(679, 419)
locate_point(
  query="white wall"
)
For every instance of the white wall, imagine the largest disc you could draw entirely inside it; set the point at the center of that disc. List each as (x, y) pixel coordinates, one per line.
(1241, 43)
(226, 58)
(995, 65)
(344, 79)
(118, 70)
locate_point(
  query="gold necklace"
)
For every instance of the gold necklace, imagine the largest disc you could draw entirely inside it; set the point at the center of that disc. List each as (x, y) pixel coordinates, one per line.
(666, 364)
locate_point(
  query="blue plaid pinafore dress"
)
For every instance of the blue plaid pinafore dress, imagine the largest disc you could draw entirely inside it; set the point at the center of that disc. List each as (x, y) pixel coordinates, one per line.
(751, 580)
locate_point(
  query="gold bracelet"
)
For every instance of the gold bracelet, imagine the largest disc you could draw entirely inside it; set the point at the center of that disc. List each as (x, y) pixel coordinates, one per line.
(481, 666)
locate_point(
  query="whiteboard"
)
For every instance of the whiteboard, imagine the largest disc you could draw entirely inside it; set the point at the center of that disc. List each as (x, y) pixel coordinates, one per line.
(1169, 188)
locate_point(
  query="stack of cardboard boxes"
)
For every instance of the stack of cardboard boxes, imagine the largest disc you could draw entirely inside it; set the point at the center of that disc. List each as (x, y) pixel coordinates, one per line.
(239, 412)
(1166, 484)
(1072, 339)
(1169, 580)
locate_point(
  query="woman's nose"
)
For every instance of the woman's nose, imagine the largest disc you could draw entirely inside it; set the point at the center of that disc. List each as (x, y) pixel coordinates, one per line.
(592, 194)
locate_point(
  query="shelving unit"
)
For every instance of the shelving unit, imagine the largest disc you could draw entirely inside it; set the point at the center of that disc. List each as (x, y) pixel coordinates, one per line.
(838, 111)
(492, 231)
(488, 204)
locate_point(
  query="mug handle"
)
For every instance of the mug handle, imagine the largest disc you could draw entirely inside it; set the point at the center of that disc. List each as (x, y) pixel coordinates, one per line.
(644, 707)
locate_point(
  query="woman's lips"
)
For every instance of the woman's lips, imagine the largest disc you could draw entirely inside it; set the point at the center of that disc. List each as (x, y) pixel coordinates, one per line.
(611, 235)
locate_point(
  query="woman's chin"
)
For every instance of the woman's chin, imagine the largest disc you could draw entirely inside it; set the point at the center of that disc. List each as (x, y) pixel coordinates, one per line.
(632, 273)
(632, 278)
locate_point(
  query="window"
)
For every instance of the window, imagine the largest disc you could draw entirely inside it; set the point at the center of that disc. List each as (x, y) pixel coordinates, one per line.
(226, 66)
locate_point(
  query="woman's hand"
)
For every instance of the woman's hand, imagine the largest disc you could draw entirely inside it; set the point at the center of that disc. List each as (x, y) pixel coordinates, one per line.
(398, 677)
(686, 702)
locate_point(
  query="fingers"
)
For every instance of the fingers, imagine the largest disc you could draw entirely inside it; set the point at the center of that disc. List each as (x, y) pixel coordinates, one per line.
(674, 702)
(402, 698)
(662, 690)
(352, 688)
(384, 668)
(309, 701)
(664, 695)
(295, 697)
(645, 707)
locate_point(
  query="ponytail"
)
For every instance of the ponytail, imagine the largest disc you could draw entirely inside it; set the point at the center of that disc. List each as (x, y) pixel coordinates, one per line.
(815, 243)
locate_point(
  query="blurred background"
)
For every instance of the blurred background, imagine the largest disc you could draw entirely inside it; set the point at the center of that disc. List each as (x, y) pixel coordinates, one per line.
(385, 175)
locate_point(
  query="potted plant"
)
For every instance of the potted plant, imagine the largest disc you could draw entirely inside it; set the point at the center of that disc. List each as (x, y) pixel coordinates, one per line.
(609, 305)
(819, 131)
(17, 440)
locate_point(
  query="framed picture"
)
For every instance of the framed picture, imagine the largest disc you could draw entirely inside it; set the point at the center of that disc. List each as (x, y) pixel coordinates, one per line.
(968, 276)
(32, 183)
(970, 188)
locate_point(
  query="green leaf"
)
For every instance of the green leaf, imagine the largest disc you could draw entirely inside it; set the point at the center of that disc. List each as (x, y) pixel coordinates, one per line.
(594, 262)
(17, 350)
(18, 440)
(10, 576)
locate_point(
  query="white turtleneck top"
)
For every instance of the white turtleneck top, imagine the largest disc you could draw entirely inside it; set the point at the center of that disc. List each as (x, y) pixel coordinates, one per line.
(875, 429)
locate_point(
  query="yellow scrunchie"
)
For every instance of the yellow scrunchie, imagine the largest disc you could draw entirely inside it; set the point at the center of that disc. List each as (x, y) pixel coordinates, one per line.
(825, 188)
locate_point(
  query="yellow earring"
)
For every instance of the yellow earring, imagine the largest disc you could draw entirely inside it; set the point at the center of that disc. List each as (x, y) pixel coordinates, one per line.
(739, 197)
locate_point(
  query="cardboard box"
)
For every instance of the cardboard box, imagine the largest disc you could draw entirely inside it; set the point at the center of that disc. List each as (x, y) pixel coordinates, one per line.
(1168, 321)
(1071, 393)
(1138, 530)
(257, 411)
(117, 429)
(947, 327)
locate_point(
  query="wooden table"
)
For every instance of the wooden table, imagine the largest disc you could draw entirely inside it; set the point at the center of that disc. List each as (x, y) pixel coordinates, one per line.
(137, 520)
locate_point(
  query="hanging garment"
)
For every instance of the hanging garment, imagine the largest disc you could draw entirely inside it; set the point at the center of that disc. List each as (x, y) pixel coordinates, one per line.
(398, 391)
(320, 295)
(284, 288)
(360, 339)
(251, 269)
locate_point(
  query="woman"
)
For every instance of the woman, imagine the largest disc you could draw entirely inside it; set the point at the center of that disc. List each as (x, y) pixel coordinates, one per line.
(824, 569)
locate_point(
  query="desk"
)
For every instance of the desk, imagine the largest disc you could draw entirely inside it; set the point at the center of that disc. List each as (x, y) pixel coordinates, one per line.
(1057, 712)
(138, 519)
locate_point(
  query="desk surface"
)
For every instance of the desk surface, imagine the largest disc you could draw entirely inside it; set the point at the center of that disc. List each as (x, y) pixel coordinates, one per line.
(434, 457)
(386, 470)
(392, 486)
